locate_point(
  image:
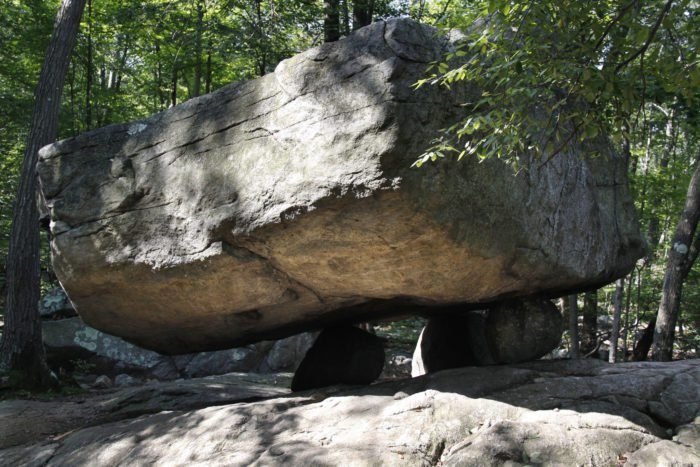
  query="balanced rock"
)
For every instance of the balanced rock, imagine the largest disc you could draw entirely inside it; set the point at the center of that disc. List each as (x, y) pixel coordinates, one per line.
(288, 203)
(511, 331)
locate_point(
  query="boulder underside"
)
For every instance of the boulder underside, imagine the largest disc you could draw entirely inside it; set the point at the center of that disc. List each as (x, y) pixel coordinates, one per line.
(288, 203)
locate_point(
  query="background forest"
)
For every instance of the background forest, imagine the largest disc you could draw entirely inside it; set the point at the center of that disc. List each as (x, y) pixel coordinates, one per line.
(134, 58)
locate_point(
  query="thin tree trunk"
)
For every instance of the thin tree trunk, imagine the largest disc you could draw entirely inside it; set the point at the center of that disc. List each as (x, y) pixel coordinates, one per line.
(331, 21)
(345, 20)
(89, 71)
(573, 326)
(680, 259)
(158, 75)
(173, 87)
(21, 349)
(626, 327)
(197, 87)
(589, 329)
(617, 313)
(362, 12)
(209, 71)
(654, 230)
(641, 348)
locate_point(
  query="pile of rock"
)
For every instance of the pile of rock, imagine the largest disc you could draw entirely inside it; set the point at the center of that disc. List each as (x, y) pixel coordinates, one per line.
(104, 360)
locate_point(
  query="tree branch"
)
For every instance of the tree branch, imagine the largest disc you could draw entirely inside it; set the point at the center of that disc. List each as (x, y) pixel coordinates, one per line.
(650, 39)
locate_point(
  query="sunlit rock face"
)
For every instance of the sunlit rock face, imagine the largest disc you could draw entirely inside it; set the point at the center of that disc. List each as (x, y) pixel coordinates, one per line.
(288, 202)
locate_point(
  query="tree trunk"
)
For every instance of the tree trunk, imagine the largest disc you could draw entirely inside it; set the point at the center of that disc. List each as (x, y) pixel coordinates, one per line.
(197, 87)
(573, 326)
(654, 230)
(617, 314)
(22, 350)
(207, 86)
(89, 71)
(362, 12)
(158, 77)
(628, 306)
(173, 86)
(589, 330)
(331, 21)
(641, 348)
(345, 21)
(680, 259)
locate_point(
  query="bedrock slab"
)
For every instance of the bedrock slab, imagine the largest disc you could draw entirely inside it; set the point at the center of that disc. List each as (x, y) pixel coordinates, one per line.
(542, 413)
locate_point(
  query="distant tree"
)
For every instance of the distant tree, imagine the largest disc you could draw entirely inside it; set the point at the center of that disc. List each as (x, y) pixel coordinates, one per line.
(21, 349)
(681, 256)
(589, 329)
(362, 13)
(573, 326)
(331, 20)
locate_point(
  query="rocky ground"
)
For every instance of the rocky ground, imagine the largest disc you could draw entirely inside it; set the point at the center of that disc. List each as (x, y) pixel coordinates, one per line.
(561, 412)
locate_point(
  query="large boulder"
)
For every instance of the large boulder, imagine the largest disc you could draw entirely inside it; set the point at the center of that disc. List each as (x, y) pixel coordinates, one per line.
(289, 203)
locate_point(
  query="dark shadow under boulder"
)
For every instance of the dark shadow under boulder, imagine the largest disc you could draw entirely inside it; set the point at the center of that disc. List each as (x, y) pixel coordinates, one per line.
(340, 355)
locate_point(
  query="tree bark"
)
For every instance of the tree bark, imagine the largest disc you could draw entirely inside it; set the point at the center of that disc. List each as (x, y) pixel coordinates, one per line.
(589, 330)
(654, 230)
(573, 326)
(617, 314)
(22, 350)
(331, 21)
(641, 348)
(89, 71)
(198, 50)
(345, 21)
(173, 86)
(680, 259)
(362, 12)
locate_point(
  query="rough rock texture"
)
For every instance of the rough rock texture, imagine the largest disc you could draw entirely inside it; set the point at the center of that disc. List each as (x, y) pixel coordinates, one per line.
(511, 331)
(55, 304)
(70, 343)
(288, 203)
(340, 355)
(542, 413)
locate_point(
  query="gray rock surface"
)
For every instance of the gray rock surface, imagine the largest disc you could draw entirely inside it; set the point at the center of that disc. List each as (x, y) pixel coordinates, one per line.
(70, 344)
(288, 203)
(54, 304)
(511, 331)
(540, 413)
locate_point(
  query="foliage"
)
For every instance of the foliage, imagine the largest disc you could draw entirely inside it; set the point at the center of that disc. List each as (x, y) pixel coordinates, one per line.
(553, 72)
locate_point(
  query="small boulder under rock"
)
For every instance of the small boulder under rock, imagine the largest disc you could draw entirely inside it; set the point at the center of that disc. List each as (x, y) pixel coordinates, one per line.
(508, 332)
(55, 304)
(124, 380)
(240, 359)
(72, 345)
(340, 355)
(517, 331)
(102, 382)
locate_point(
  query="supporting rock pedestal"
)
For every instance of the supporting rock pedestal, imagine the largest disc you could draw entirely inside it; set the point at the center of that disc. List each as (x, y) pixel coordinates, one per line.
(512, 331)
(340, 355)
